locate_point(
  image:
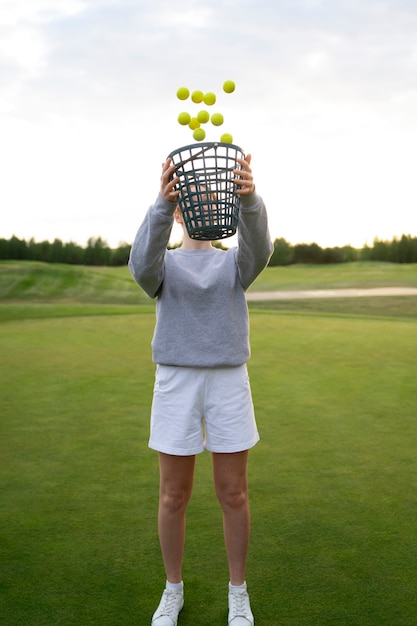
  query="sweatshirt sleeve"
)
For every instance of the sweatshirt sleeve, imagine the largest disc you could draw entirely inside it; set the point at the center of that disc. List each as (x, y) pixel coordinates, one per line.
(146, 261)
(254, 242)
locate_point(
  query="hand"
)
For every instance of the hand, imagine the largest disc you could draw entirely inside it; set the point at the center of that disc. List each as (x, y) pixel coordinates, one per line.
(168, 181)
(244, 176)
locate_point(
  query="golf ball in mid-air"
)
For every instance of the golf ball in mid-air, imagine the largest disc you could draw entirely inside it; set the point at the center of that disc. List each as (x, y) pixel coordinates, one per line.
(203, 116)
(217, 119)
(183, 93)
(184, 118)
(209, 98)
(229, 86)
(199, 134)
(197, 96)
(194, 123)
(226, 138)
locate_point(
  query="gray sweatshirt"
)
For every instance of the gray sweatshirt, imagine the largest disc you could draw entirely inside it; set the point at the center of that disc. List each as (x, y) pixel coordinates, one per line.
(201, 312)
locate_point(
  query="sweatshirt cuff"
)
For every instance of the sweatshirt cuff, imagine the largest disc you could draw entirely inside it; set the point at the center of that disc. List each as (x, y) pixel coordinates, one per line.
(251, 201)
(165, 206)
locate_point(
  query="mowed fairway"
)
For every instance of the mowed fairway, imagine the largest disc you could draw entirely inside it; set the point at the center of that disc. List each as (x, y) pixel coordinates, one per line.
(333, 480)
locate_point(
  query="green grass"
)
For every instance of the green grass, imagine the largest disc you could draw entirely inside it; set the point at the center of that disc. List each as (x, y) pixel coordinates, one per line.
(30, 290)
(339, 276)
(43, 282)
(373, 306)
(333, 480)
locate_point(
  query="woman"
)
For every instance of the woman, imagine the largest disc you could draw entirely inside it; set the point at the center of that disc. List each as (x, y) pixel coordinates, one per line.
(202, 398)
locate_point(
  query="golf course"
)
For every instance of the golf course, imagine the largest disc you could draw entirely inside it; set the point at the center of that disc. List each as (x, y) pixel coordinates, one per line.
(333, 481)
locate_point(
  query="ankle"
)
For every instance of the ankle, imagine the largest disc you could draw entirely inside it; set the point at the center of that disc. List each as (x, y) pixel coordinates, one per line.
(241, 587)
(175, 586)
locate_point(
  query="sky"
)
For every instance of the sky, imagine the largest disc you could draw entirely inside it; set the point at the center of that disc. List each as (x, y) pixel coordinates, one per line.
(325, 102)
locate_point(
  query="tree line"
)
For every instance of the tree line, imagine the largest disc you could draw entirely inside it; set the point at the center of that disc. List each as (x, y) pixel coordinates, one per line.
(98, 252)
(398, 250)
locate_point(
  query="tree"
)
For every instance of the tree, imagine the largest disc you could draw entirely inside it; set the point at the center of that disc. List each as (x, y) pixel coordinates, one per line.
(97, 252)
(308, 253)
(283, 253)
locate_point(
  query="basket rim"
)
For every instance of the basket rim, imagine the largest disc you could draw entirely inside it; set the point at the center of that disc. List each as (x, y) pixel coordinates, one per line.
(207, 145)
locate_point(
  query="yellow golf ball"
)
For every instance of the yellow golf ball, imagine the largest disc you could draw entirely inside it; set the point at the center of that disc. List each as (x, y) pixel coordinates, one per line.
(184, 118)
(209, 98)
(183, 93)
(226, 138)
(194, 123)
(199, 134)
(229, 86)
(203, 116)
(217, 119)
(197, 96)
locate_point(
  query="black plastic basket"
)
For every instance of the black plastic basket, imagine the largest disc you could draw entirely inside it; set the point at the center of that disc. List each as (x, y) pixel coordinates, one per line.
(208, 200)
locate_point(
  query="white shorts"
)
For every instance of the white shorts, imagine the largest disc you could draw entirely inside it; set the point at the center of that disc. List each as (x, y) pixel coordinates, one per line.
(202, 408)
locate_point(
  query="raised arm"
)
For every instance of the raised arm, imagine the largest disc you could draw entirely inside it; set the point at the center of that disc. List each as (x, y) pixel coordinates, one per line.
(254, 242)
(146, 261)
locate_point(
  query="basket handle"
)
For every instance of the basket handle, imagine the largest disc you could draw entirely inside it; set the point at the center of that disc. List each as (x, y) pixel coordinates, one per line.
(194, 156)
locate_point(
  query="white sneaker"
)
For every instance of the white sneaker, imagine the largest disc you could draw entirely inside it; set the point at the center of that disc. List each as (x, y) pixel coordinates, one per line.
(168, 610)
(240, 613)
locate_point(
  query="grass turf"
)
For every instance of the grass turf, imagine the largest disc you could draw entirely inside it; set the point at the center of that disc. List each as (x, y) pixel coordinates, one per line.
(394, 307)
(29, 282)
(332, 481)
(337, 276)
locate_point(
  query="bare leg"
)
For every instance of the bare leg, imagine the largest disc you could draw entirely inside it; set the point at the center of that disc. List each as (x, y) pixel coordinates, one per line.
(176, 484)
(231, 485)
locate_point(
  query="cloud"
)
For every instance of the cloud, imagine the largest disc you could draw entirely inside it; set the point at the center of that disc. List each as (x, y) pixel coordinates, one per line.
(14, 12)
(326, 90)
(89, 56)
(25, 48)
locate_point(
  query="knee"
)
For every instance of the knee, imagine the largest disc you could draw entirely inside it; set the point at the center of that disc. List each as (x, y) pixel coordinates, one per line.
(233, 499)
(174, 500)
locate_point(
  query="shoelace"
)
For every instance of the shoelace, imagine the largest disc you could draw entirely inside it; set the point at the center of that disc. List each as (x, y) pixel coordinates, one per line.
(239, 608)
(168, 606)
